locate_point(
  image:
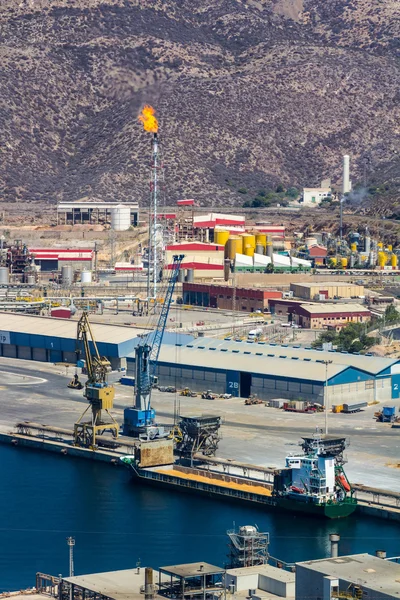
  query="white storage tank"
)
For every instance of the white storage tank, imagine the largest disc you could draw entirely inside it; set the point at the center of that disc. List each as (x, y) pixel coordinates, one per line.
(121, 218)
(86, 277)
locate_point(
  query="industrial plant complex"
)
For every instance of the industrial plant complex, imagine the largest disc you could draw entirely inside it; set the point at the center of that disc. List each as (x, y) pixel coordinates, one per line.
(169, 341)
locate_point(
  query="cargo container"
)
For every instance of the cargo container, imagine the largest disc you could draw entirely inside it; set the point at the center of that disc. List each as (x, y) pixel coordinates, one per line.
(337, 408)
(354, 407)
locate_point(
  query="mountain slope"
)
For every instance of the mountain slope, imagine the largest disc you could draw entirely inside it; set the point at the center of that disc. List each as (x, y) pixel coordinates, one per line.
(248, 94)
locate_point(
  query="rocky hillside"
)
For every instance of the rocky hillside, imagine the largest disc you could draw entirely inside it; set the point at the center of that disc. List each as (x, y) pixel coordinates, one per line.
(249, 93)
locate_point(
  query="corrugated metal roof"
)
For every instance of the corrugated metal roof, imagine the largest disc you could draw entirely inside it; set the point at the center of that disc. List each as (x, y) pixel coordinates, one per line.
(323, 285)
(327, 307)
(65, 328)
(369, 364)
(258, 365)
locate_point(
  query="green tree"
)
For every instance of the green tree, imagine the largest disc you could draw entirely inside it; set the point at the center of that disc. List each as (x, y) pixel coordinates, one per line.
(279, 189)
(353, 338)
(391, 314)
(292, 192)
(325, 338)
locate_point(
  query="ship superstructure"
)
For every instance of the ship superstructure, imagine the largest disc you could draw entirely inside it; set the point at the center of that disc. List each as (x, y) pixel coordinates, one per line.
(317, 477)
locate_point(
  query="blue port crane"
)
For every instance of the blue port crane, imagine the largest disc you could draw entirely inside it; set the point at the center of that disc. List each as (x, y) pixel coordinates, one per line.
(140, 420)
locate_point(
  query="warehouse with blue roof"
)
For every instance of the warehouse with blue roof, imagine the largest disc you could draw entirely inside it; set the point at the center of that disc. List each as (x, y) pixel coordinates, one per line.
(272, 371)
(229, 366)
(54, 340)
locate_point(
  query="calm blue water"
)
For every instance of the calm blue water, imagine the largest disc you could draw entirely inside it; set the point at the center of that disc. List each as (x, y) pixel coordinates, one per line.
(45, 498)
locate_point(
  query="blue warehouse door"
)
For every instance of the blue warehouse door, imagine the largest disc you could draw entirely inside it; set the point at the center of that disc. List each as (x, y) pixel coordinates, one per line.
(233, 383)
(396, 386)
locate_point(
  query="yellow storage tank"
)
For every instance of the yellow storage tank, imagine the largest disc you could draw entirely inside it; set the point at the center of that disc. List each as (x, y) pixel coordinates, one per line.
(344, 262)
(380, 245)
(382, 258)
(393, 261)
(390, 247)
(333, 261)
(249, 251)
(234, 246)
(261, 239)
(221, 236)
(353, 247)
(249, 241)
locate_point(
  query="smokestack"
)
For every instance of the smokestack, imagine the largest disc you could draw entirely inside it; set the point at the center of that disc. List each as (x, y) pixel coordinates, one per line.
(380, 553)
(148, 584)
(334, 539)
(346, 174)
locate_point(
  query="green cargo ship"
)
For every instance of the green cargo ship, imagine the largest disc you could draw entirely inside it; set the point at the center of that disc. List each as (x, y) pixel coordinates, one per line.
(313, 483)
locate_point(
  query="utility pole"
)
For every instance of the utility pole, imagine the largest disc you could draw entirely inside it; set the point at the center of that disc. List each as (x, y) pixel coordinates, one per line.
(95, 261)
(71, 544)
(326, 363)
(234, 295)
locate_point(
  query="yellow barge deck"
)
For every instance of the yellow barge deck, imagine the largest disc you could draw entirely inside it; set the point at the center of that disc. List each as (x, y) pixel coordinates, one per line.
(224, 481)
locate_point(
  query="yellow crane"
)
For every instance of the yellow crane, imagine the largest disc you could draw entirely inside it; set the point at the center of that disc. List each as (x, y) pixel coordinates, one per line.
(97, 390)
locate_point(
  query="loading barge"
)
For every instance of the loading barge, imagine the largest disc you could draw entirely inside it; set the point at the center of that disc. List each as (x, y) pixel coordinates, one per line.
(313, 482)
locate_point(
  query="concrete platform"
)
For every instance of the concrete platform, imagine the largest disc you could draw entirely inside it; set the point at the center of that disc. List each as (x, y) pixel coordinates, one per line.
(251, 434)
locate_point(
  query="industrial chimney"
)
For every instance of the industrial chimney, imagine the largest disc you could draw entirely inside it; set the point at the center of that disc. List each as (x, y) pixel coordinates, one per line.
(346, 174)
(334, 539)
(148, 584)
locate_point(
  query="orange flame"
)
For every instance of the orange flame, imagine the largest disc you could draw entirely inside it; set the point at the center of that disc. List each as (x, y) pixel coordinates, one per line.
(147, 117)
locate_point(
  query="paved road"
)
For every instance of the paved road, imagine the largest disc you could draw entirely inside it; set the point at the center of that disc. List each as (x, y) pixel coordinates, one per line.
(254, 434)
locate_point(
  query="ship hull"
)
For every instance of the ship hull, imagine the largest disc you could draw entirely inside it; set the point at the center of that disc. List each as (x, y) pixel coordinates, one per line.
(337, 510)
(281, 503)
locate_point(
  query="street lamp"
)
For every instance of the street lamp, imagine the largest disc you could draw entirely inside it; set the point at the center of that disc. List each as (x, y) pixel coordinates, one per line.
(326, 363)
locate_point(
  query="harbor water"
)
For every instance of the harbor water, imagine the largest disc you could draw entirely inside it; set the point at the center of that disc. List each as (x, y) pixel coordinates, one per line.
(116, 522)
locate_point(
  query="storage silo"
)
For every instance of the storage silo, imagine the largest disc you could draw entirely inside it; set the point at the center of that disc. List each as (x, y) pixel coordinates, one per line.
(66, 275)
(249, 251)
(120, 218)
(190, 275)
(234, 246)
(269, 246)
(4, 275)
(344, 263)
(261, 240)
(260, 249)
(393, 261)
(221, 237)
(382, 258)
(249, 241)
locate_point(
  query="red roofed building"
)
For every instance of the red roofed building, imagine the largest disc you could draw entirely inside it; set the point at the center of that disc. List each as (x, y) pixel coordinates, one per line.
(318, 254)
(52, 259)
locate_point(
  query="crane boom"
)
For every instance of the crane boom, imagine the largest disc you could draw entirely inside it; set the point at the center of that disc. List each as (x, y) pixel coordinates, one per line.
(142, 417)
(98, 392)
